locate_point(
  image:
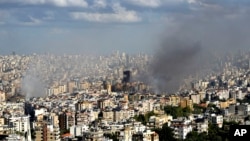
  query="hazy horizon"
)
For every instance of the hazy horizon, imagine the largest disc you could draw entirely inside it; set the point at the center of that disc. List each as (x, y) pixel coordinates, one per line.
(101, 26)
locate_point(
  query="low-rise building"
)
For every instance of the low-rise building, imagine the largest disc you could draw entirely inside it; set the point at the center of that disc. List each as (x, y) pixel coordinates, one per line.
(181, 127)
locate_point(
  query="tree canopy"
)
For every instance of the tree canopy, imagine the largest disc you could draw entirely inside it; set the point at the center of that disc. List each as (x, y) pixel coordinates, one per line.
(144, 119)
(177, 111)
(165, 133)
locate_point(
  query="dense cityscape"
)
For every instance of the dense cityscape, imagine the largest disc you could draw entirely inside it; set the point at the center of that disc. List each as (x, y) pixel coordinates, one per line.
(124, 70)
(101, 98)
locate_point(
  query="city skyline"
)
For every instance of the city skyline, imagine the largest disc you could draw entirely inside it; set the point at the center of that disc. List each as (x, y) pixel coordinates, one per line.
(101, 26)
(109, 70)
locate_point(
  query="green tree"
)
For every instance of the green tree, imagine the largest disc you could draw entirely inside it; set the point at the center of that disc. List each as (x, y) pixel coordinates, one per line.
(148, 115)
(195, 136)
(112, 136)
(144, 118)
(216, 133)
(198, 109)
(165, 133)
(186, 111)
(213, 131)
(140, 118)
(177, 111)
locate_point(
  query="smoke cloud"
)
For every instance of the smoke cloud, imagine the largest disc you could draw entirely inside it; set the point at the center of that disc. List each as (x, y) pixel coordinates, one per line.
(197, 41)
(32, 87)
(31, 83)
(172, 62)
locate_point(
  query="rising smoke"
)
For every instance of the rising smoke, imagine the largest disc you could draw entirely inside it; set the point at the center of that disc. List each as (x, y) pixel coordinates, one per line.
(32, 87)
(197, 42)
(31, 83)
(173, 61)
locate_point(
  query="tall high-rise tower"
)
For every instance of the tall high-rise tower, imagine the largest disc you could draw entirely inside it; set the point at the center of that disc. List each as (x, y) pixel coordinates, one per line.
(126, 76)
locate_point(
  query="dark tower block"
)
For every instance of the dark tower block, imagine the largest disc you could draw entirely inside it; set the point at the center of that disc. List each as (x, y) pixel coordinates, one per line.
(126, 77)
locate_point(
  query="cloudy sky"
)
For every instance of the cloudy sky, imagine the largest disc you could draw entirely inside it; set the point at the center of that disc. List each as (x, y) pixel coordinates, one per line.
(85, 26)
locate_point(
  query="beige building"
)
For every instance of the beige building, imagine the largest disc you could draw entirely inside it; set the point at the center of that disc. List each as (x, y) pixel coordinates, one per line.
(84, 105)
(62, 88)
(125, 97)
(45, 132)
(174, 100)
(84, 85)
(39, 117)
(39, 131)
(118, 115)
(2, 96)
(196, 98)
(55, 119)
(71, 86)
(126, 134)
(104, 103)
(2, 121)
(145, 136)
(159, 120)
(225, 104)
(108, 115)
(202, 95)
(185, 102)
(107, 86)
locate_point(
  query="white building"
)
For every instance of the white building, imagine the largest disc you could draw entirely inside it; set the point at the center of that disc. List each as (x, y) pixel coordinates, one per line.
(53, 133)
(139, 127)
(147, 106)
(40, 111)
(78, 130)
(182, 127)
(247, 109)
(21, 124)
(14, 137)
(202, 126)
(223, 94)
(149, 135)
(217, 119)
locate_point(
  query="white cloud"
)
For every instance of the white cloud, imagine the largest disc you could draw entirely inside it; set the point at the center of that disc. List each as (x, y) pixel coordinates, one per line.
(192, 1)
(120, 15)
(33, 21)
(65, 3)
(156, 3)
(59, 3)
(146, 3)
(100, 3)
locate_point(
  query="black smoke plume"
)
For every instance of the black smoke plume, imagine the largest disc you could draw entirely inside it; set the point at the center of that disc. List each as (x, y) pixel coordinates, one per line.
(173, 62)
(197, 41)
